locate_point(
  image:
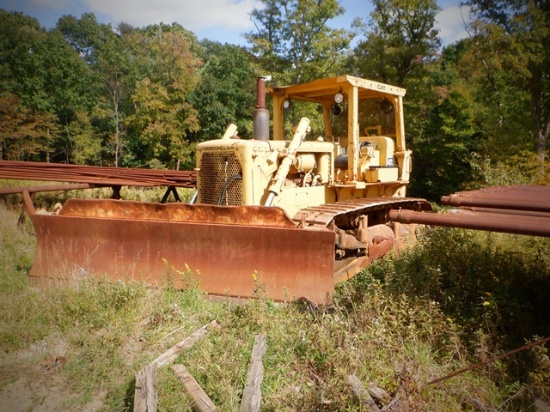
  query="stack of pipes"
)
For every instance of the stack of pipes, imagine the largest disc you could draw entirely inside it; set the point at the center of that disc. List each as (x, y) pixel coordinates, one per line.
(94, 175)
(511, 209)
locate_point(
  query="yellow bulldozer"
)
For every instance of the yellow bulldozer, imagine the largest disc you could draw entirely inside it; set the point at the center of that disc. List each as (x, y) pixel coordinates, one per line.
(295, 216)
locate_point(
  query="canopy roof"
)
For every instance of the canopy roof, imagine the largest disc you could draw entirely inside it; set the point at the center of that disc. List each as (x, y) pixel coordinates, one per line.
(325, 89)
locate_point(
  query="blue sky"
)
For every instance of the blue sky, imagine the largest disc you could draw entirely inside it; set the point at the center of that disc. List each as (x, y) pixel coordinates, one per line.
(219, 20)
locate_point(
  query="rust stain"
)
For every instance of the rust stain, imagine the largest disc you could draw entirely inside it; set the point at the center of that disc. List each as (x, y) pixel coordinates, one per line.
(511, 209)
(142, 245)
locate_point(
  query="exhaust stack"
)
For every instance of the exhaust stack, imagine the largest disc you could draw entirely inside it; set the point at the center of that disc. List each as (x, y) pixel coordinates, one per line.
(260, 117)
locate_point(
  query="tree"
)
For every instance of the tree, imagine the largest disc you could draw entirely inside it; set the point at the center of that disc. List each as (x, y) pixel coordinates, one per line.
(66, 82)
(226, 92)
(442, 158)
(24, 134)
(294, 42)
(399, 46)
(164, 115)
(20, 71)
(109, 60)
(46, 76)
(398, 41)
(512, 37)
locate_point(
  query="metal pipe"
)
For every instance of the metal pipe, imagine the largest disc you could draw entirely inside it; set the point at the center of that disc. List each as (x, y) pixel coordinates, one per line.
(523, 197)
(510, 195)
(95, 175)
(260, 93)
(270, 198)
(507, 211)
(28, 202)
(512, 188)
(260, 117)
(517, 203)
(522, 225)
(45, 188)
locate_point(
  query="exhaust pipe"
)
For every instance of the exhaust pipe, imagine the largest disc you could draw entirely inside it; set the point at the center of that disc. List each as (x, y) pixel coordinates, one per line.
(260, 117)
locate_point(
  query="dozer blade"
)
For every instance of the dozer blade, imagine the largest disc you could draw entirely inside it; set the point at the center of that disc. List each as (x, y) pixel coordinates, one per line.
(117, 240)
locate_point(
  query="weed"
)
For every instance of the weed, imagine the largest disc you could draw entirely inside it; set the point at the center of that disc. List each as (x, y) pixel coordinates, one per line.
(180, 279)
(456, 299)
(17, 245)
(522, 168)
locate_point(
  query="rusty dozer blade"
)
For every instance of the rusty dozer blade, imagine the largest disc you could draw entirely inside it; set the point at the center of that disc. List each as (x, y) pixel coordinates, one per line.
(117, 240)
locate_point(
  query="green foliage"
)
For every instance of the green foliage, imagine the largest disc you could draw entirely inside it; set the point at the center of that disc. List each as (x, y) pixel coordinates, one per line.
(167, 77)
(24, 134)
(160, 122)
(17, 252)
(107, 56)
(86, 92)
(43, 81)
(479, 279)
(398, 41)
(510, 45)
(294, 42)
(20, 74)
(457, 300)
(442, 155)
(226, 92)
(492, 288)
(523, 168)
(501, 106)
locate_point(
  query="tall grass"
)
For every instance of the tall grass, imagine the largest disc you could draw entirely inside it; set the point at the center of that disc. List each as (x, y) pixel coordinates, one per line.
(458, 298)
(494, 287)
(47, 200)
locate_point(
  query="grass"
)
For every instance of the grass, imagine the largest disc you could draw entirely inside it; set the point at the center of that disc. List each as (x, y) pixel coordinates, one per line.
(458, 298)
(47, 200)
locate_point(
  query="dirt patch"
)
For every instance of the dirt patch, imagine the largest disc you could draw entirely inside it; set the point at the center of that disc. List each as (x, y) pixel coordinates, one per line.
(31, 380)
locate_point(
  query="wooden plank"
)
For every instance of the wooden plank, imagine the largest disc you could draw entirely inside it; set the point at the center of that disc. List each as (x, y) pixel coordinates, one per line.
(252, 394)
(201, 401)
(145, 395)
(362, 394)
(170, 355)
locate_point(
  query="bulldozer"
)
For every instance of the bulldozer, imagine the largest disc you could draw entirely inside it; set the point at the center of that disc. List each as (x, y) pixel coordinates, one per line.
(293, 215)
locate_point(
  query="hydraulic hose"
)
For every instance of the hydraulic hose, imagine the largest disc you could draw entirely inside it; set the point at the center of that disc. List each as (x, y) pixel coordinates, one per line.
(226, 186)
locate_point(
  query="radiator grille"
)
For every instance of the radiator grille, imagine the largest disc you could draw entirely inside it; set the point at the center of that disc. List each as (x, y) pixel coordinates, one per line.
(218, 169)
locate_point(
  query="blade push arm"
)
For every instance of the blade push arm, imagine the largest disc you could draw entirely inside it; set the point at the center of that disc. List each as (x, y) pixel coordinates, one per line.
(289, 158)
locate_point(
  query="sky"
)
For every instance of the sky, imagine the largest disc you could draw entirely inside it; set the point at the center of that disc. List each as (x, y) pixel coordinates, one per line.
(218, 20)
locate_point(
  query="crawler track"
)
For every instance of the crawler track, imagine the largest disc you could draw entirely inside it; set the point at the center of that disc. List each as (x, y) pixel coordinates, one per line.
(344, 213)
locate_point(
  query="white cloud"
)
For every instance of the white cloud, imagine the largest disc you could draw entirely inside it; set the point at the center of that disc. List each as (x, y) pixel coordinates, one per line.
(450, 21)
(191, 14)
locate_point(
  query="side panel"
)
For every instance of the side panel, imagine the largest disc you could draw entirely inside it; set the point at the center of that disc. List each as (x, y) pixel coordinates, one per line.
(291, 263)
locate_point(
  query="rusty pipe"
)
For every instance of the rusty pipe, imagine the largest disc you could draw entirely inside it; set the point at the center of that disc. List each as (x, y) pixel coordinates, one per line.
(507, 189)
(260, 117)
(516, 203)
(522, 196)
(28, 202)
(95, 175)
(522, 225)
(260, 93)
(507, 211)
(46, 188)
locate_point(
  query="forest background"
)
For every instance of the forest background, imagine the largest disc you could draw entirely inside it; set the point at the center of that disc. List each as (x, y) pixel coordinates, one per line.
(477, 111)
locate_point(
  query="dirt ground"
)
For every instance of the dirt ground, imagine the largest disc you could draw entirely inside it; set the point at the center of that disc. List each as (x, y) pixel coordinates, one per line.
(30, 380)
